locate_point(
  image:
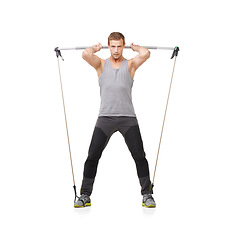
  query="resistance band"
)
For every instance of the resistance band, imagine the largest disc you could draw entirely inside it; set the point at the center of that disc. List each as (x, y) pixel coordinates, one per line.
(58, 54)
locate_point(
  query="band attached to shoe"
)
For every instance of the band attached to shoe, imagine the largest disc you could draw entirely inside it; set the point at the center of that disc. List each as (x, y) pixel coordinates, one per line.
(82, 202)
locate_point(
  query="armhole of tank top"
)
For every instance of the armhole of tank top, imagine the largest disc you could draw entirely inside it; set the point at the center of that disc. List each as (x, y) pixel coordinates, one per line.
(102, 70)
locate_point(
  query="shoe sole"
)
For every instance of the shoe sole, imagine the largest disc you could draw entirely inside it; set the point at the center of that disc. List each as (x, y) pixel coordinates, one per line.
(86, 205)
(149, 206)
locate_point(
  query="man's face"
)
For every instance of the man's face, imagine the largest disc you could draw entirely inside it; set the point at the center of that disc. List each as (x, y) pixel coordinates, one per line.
(116, 48)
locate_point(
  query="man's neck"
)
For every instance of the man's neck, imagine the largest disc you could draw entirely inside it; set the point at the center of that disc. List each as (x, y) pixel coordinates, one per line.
(113, 60)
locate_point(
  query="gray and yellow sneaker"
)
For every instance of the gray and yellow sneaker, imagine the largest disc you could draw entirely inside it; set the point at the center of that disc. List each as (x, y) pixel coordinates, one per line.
(148, 201)
(83, 201)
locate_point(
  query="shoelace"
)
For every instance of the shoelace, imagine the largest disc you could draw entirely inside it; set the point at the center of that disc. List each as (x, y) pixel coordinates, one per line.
(83, 198)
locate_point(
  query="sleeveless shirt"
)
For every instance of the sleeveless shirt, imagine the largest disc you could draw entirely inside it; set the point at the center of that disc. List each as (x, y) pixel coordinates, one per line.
(116, 91)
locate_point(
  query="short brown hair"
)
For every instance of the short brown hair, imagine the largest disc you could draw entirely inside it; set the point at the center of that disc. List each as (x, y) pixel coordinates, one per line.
(116, 36)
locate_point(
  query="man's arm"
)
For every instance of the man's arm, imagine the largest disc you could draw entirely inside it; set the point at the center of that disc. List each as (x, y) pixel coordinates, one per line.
(137, 61)
(89, 56)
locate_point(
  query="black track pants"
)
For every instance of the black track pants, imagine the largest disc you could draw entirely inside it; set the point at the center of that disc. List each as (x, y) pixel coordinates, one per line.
(105, 127)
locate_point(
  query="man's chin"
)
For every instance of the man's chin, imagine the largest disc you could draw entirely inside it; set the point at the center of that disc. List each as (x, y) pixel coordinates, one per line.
(116, 57)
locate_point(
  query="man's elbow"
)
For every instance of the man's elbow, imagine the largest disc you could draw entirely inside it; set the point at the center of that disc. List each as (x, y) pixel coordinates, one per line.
(147, 54)
(85, 54)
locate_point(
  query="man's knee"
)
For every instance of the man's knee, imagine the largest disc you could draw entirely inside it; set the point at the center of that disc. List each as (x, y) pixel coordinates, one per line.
(97, 145)
(134, 142)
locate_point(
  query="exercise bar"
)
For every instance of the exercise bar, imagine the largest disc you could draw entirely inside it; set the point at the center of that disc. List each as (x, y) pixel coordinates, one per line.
(106, 47)
(175, 50)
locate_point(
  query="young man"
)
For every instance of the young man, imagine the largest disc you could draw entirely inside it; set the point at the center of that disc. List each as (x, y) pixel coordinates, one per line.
(116, 114)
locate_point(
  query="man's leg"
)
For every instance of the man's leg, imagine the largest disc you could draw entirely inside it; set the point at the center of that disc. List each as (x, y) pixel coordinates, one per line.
(134, 142)
(103, 130)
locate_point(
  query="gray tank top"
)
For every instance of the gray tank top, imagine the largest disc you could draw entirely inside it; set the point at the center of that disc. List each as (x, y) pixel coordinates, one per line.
(116, 91)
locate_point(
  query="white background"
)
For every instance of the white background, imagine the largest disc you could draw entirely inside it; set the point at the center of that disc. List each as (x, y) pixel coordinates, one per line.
(197, 182)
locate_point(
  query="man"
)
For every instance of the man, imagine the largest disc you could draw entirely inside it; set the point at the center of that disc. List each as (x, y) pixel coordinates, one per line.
(116, 114)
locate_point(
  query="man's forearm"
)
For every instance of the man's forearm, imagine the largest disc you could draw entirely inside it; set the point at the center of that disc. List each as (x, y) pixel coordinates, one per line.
(90, 50)
(93, 49)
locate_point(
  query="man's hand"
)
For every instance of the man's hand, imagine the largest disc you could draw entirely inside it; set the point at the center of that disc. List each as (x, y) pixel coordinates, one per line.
(97, 47)
(134, 47)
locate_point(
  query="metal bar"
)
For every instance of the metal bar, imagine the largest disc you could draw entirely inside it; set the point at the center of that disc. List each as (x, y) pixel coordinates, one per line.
(128, 47)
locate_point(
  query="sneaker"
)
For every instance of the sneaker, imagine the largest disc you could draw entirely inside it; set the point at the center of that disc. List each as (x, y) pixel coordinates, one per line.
(148, 201)
(83, 201)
